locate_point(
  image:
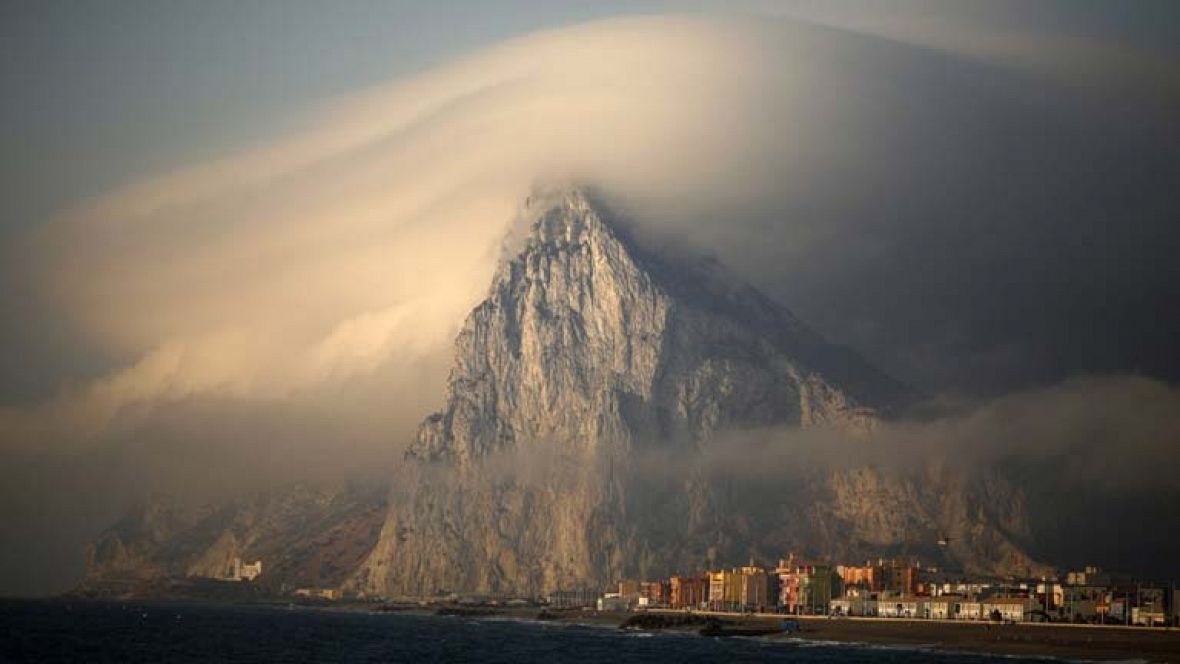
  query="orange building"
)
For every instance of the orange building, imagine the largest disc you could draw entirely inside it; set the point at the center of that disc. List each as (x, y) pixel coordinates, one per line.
(869, 577)
(896, 576)
(688, 592)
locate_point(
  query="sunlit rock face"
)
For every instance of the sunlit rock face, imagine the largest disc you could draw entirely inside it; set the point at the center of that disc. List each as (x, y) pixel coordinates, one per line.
(581, 391)
(586, 340)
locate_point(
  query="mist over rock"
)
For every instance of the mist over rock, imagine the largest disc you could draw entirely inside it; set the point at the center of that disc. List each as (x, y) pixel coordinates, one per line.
(597, 426)
(587, 339)
(584, 390)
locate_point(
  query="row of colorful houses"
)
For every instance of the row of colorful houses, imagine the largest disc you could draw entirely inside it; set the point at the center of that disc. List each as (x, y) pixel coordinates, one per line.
(795, 585)
(901, 589)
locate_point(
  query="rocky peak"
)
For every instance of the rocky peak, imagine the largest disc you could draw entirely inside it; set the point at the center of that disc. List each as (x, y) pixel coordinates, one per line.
(588, 339)
(609, 367)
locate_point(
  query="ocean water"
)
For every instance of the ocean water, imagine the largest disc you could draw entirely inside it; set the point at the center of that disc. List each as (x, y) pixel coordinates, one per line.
(63, 631)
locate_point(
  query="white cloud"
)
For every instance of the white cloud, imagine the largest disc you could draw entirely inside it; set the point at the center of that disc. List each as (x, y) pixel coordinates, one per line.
(369, 235)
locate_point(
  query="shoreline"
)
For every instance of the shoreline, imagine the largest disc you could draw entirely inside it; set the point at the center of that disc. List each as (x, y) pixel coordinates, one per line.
(1091, 643)
(1035, 640)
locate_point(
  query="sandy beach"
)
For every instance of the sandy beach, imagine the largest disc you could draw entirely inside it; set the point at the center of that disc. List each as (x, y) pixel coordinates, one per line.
(1081, 642)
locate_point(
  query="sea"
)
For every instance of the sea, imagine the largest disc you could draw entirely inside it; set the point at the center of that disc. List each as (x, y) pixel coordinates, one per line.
(128, 632)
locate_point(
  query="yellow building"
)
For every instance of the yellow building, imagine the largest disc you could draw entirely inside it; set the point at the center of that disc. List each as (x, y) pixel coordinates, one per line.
(754, 591)
(724, 589)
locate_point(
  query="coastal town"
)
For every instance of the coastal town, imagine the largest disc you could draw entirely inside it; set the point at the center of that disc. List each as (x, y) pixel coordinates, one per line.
(894, 602)
(895, 588)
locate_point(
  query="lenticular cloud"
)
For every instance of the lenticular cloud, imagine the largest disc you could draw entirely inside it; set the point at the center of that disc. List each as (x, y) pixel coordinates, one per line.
(362, 239)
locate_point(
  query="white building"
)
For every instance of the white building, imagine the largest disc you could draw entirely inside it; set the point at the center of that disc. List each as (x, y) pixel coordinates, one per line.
(1014, 609)
(953, 607)
(942, 607)
(613, 602)
(244, 572)
(1148, 617)
(968, 610)
(900, 607)
(847, 606)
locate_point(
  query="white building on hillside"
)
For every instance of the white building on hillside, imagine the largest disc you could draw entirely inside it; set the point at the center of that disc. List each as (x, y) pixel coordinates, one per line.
(244, 571)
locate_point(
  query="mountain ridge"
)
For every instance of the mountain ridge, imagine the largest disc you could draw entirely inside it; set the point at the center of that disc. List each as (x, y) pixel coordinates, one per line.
(590, 349)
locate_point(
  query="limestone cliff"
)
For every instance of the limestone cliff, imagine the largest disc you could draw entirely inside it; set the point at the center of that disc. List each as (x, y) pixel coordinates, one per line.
(586, 437)
(582, 389)
(587, 340)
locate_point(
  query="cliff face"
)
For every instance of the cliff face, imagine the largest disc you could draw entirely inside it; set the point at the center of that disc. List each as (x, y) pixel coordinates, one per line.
(585, 340)
(584, 387)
